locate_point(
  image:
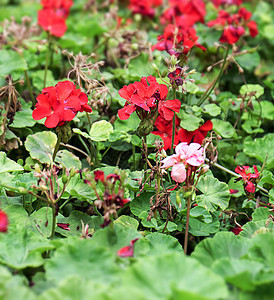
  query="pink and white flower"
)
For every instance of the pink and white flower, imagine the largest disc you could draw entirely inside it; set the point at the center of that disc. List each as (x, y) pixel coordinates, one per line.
(185, 156)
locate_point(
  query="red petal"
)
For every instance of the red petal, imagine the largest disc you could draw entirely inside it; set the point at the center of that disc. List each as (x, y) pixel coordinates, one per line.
(4, 222)
(125, 112)
(64, 89)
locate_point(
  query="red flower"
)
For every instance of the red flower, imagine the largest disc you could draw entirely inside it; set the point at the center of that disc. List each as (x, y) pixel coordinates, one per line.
(60, 104)
(165, 131)
(51, 22)
(144, 7)
(184, 12)
(177, 40)
(248, 177)
(4, 222)
(236, 230)
(64, 226)
(233, 25)
(127, 251)
(60, 7)
(232, 191)
(99, 175)
(196, 136)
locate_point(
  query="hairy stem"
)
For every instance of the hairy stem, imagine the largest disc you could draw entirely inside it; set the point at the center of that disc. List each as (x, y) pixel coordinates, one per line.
(212, 86)
(187, 224)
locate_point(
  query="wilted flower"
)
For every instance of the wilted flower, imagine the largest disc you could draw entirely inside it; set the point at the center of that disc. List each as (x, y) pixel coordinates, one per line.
(127, 251)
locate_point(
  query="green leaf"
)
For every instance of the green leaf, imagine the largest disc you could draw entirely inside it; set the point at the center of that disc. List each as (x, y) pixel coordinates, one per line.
(188, 121)
(215, 193)
(100, 131)
(223, 128)
(83, 258)
(78, 189)
(260, 148)
(68, 160)
(23, 118)
(8, 165)
(199, 228)
(222, 245)
(41, 146)
(249, 61)
(253, 228)
(75, 224)
(186, 278)
(38, 79)
(140, 204)
(267, 109)
(20, 248)
(11, 61)
(127, 222)
(212, 109)
(240, 273)
(131, 124)
(248, 88)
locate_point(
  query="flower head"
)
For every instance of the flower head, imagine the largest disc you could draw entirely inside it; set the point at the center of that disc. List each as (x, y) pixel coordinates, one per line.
(4, 222)
(185, 156)
(248, 177)
(60, 104)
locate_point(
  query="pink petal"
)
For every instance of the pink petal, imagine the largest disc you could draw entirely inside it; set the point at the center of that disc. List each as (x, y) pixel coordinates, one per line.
(178, 172)
(170, 161)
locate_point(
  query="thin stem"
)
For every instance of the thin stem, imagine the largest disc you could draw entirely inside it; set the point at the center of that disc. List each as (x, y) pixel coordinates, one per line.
(47, 60)
(212, 86)
(187, 224)
(30, 88)
(133, 157)
(74, 148)
(56, 147)
(173, 134)
(53, 221)
(89, 122)
(61, 206)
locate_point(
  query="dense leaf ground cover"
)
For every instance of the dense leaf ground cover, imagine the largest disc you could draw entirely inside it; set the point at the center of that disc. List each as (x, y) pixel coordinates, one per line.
(136, 151)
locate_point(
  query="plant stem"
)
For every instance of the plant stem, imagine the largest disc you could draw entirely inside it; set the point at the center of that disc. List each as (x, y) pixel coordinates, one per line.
(173, 134)
(47, 60)
(56, 147)
(133, 156)
(187, 224)
(53, 221)
(212, 86)
(30, 88)
(89, 122)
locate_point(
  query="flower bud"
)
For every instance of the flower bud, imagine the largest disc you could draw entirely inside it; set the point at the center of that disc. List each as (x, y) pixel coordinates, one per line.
(37, 168)
(22, 190)
(64, 179)
(155, 67)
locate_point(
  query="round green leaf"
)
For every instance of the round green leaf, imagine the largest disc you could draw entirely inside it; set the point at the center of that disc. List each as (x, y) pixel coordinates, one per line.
(8, 165)
(214, 193)
(223, 128)
(11, 61)
(68, 160)
(212, 109)
(41, 146)
(248, 88)
(100, 131)
(260, 148)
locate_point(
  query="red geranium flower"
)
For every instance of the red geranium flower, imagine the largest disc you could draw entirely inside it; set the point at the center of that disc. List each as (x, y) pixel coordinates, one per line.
(177, 40)
(60, 104)
(248, 177)
(236, 230)
(145, 97)
(127, 251)
(144, 7)
(196, 136)
(165, 131)
(51, 22)
(4, 222)
(233, 25)
(60, 7)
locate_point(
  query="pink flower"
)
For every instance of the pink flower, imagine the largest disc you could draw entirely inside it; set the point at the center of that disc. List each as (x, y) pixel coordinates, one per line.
(127, 251)
(185, 155)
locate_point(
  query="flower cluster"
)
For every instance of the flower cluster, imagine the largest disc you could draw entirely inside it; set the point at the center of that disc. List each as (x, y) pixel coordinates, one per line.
(164, 130)
(185, 160)
(113, 195)
(144, 7)
(179, 34)
(248, 178)
(146, 97)
(52, 17)
(234, 25)
(60, 104)
(4, 222)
